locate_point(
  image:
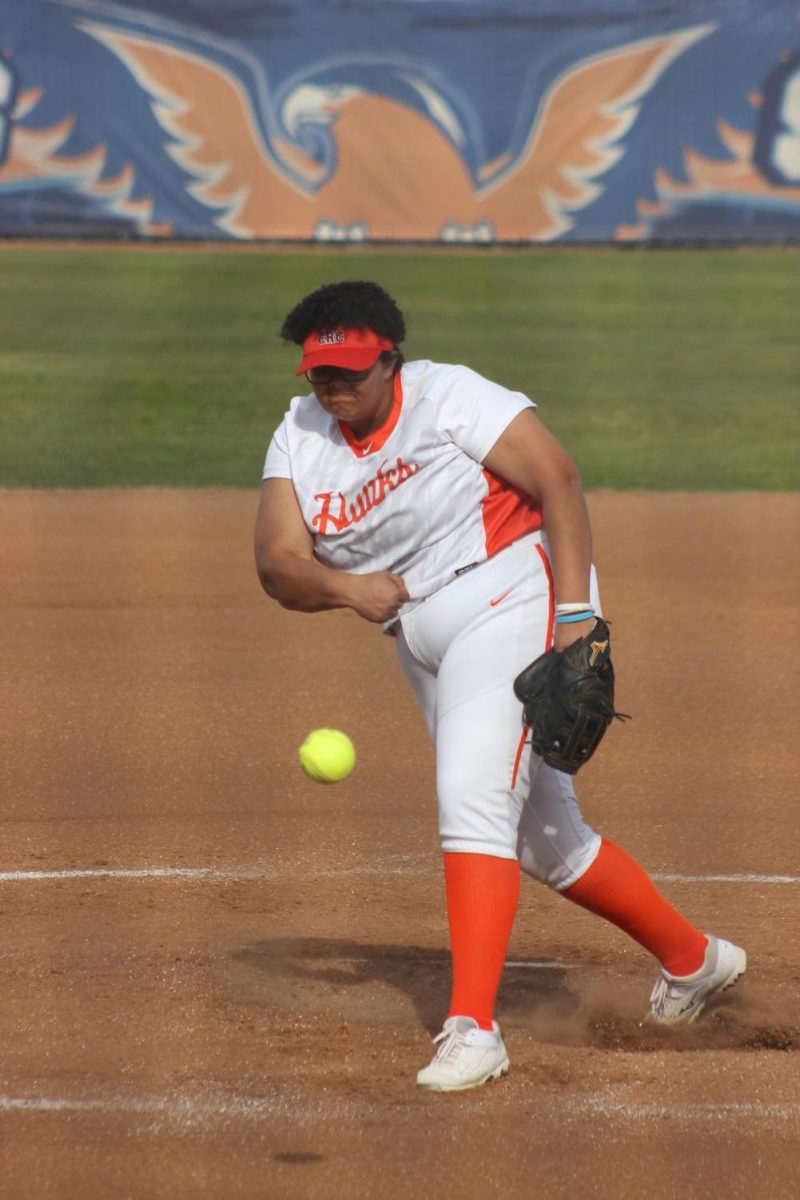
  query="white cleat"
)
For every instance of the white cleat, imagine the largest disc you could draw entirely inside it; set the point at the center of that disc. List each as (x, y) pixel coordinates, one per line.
(467, 1057)
(678, 999)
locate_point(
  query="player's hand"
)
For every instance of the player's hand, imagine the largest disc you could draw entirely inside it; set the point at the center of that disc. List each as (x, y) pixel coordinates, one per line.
(378, 595)
(565, 635)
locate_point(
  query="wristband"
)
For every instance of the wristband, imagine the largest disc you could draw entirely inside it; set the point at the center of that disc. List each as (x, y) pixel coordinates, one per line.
(581, 606)
(572, 618)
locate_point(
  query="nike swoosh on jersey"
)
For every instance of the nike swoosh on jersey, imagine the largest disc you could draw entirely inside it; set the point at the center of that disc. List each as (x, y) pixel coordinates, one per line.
(502, 596)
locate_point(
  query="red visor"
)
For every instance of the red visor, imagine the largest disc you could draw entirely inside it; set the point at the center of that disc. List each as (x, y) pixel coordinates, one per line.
(354, 349)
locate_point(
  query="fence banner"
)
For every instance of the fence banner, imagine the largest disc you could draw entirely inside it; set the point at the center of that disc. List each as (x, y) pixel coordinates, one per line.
(474, 121)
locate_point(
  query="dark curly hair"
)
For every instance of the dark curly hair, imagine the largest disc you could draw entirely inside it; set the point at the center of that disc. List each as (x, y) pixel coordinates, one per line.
(355, 304)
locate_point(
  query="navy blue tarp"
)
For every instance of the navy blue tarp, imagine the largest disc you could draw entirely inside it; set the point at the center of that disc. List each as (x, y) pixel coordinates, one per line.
(449, 120)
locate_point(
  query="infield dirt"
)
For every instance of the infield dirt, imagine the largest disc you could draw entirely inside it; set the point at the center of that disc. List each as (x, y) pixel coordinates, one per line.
(220, 978)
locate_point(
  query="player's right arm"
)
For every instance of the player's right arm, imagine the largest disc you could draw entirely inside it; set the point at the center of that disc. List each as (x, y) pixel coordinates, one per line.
(290, 573)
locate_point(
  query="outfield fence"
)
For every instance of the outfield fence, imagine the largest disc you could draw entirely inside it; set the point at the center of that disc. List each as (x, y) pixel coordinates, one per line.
(445, 121)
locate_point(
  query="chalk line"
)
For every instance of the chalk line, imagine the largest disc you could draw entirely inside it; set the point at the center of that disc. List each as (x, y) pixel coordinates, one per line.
(187, 1111)
(675, 878)
(172, 1109)
(107, 873)
(397, 866)
(749, 1110)
(184, 1112)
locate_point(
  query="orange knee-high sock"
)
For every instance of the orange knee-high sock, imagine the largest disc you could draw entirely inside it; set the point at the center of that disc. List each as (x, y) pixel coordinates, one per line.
(617, 888)
(482, 895)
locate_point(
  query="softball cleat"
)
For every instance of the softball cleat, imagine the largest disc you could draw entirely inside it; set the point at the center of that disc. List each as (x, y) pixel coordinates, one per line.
(467, 1057)
(679, 999)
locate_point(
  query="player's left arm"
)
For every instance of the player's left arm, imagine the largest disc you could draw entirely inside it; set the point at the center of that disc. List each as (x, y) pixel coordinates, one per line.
(528, 456)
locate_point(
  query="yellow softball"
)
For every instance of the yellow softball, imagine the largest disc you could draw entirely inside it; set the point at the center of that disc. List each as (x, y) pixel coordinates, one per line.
(327, 755)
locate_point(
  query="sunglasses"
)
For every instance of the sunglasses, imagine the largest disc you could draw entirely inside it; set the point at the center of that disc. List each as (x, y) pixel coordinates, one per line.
(319, 375)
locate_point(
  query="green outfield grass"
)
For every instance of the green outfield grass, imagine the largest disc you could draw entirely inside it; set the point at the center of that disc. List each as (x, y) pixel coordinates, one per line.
(156, 367)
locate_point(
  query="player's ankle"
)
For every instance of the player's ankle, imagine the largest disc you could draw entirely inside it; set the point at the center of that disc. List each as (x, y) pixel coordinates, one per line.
(690, 960)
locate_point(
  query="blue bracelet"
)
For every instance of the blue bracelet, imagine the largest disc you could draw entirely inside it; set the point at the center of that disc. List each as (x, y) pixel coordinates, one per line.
(569, 619)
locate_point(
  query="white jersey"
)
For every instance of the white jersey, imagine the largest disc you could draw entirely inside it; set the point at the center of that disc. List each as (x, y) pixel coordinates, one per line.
(412, 497)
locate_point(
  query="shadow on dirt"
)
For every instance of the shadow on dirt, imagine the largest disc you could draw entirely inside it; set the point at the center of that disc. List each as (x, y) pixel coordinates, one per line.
(557, 1004)
(420, 974)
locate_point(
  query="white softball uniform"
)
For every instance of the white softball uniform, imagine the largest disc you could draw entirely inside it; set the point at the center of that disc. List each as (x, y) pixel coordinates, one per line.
(415, 499)
(461, 651)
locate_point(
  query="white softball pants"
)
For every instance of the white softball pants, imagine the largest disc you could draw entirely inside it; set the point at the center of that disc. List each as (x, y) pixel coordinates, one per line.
(461, 650)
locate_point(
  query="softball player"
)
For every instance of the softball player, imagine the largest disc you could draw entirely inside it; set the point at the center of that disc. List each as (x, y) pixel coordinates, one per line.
(435, 503)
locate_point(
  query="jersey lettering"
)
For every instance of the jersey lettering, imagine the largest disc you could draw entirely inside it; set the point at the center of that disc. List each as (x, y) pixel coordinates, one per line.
(340, 513)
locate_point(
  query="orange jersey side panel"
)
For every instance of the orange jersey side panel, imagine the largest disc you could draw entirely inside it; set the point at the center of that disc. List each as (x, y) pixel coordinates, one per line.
(508, 514)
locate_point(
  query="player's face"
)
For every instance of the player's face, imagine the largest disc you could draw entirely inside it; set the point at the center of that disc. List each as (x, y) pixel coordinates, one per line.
(363, 403)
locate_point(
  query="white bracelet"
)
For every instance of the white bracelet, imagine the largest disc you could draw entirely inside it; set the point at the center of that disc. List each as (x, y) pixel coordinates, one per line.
(573, 608)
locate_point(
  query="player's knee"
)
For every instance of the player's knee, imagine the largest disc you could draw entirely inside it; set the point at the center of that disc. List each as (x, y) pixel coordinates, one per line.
(557, 869)
(475, 819)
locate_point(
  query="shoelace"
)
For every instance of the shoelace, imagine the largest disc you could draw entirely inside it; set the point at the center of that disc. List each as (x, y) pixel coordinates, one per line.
(660, 995)
(452, 1043)
(666, 991)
